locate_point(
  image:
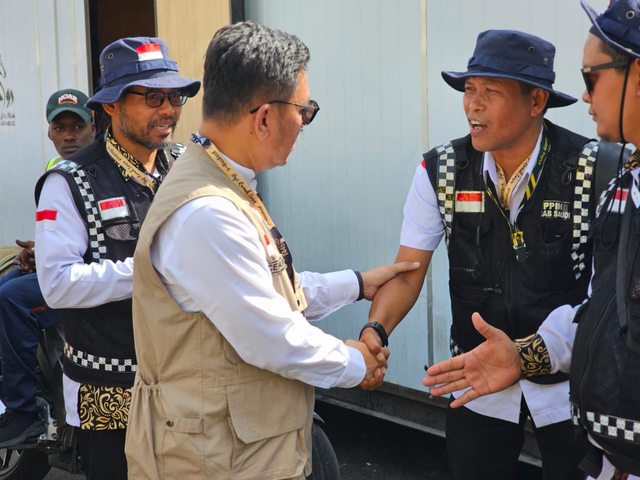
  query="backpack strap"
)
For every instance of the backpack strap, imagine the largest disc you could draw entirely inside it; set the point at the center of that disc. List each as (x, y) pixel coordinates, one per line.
(608, 157)
(446, 185)
(581, 200)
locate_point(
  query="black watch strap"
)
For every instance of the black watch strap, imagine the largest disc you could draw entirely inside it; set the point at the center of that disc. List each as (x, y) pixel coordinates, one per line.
(380, 331)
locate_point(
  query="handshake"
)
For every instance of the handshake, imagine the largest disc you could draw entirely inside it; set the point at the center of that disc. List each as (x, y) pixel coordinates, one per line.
(375, 359)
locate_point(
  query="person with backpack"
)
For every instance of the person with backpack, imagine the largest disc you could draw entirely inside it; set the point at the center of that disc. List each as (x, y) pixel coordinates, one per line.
(513, 200)
(598, 341)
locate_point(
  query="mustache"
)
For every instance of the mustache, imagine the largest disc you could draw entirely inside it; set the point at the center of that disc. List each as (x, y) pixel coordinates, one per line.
(173, 121)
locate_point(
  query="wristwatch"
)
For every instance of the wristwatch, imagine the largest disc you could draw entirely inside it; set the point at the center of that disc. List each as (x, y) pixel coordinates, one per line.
(379, 330)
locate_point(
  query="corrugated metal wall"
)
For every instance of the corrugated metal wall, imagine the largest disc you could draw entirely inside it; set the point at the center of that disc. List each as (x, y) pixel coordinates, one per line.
(339, 201)
(43, 49)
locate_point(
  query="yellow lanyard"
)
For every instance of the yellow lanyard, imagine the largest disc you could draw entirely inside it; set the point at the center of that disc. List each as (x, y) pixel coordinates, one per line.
(517, 236)
(128, 165)
(505, 189)
(250, 195)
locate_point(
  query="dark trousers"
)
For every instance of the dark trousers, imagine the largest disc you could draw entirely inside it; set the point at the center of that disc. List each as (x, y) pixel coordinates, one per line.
(102, 453)
(481, 447)
(23, 314)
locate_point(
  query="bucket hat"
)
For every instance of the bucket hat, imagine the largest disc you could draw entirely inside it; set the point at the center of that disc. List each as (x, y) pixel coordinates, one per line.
(618, 25)
(514, 55)
(68, 100)
(138, 61)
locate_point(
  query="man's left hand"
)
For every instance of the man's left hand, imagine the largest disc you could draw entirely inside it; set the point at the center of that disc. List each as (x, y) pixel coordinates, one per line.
(376, 277)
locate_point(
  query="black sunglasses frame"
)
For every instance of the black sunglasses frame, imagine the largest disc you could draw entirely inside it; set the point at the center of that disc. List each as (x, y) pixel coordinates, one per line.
(589, 83)
(314, 105)
(177, 94)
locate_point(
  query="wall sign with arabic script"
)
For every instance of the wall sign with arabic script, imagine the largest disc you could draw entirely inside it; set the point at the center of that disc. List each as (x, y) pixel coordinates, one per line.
(7, 98)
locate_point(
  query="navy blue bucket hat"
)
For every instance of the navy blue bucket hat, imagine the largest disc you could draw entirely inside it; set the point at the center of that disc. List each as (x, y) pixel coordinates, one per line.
(515, 55)
(618, 25)
(137, 61)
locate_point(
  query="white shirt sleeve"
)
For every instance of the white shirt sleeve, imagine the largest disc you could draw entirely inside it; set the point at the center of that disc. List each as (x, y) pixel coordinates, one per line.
(328, 292)
(558, 332)
(209, 256)
(422, 226)
(65, 280)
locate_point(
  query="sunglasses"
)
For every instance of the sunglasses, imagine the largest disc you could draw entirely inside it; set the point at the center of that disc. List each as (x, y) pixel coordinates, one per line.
(154, 99)
(589, 81)
(308, 113)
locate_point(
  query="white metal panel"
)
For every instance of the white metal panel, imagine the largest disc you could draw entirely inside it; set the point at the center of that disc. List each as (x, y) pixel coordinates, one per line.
(339, 201)
(43, 49)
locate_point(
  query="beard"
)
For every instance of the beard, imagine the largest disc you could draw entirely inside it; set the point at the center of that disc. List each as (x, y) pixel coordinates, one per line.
(139, 134)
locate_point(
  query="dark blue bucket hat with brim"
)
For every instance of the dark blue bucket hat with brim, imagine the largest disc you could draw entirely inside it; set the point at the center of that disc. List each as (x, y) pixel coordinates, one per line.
(137, 61)
(514, 55)
(618, 25)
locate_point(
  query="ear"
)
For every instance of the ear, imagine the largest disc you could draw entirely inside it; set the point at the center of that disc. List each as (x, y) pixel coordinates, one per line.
(110, 108)
(262, 120)
(49, 133)
(635, 73)
(540, 98)
(93, 130)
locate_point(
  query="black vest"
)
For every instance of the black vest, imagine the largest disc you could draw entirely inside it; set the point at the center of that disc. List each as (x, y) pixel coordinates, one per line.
(99, 341)
(484, 275)
(605, 371)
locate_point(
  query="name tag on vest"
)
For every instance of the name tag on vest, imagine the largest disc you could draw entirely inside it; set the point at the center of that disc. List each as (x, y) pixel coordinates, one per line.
(469, 202)
(558, 210)
(113, 208)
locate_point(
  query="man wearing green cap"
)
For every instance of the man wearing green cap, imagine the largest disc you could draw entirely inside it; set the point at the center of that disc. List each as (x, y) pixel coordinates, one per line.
(71, 124)
(23, 311)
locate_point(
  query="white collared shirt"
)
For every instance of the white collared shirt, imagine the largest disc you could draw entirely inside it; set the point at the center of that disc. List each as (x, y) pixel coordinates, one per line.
(304, 352)
(422, 229)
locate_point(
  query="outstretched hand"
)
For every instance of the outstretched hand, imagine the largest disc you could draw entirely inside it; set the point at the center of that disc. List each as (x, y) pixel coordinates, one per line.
(376, 277)
(490, 367)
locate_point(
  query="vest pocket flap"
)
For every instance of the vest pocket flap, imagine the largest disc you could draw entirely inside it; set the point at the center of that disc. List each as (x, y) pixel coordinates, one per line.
(122, 230)
(184, 425)
(267, 408)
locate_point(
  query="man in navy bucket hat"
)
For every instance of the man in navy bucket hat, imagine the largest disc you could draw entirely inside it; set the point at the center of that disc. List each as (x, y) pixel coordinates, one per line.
(90, 210)
(598, 342)
(513, 200)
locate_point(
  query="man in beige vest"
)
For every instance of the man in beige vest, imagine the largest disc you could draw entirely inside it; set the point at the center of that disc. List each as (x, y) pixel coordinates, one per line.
(227, 360)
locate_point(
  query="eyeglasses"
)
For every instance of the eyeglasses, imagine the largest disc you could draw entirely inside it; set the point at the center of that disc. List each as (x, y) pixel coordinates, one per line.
(589, 82)
(308, 114)
(155, 99)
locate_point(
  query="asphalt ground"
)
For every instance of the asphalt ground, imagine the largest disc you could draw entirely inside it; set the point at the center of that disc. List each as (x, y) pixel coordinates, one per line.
(370, 448)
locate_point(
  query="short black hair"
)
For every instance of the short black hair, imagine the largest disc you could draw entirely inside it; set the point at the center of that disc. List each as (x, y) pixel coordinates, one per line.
(616, 55)
(248, 63)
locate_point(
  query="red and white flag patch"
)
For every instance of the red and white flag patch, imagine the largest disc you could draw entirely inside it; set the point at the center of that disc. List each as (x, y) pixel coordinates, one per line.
(619, 201)
(113, 208)
(469, 202)
(46, 220)
(149, 51)
(270, 250)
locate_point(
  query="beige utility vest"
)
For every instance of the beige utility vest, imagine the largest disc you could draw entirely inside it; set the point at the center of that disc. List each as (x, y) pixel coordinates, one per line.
(198, 410)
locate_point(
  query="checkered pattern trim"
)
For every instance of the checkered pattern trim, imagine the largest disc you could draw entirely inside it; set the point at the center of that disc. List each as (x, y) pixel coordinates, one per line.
(87, 360)
(575, 414)
(610, 426)
(92, 212)
(581, 201)
(446, 185)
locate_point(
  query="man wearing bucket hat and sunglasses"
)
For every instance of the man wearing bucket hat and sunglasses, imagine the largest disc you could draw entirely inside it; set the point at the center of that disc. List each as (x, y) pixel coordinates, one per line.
(598, 342)
(90, 210)
(513, 200)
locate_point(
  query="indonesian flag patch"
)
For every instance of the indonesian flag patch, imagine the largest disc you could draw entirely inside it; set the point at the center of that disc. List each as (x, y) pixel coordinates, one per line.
(149, 51)
(113, 208)
(46, 220)
(469, 202)
(619, 200)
